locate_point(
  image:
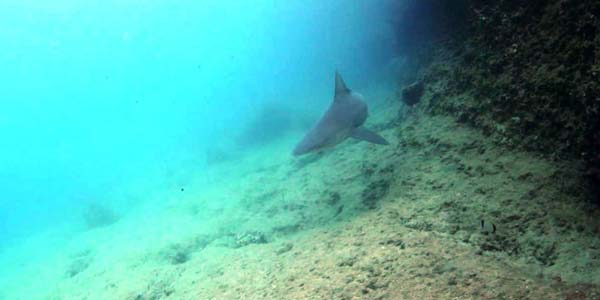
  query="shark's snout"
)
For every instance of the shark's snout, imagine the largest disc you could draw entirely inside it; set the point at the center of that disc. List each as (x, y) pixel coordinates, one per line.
(302, 148)
(297, 151)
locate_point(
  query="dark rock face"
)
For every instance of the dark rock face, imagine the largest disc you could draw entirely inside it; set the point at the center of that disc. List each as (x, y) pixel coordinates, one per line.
(532, 68)
(594, 173)
(525, 72)
(412, 94)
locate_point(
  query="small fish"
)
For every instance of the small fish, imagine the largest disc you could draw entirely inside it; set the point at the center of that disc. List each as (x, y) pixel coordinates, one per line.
(488, 228)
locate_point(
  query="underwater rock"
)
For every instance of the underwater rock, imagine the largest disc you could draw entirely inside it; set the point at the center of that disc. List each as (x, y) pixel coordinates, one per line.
(288, 228)
(339, 210)
(543, 251)
(534, 88)
(80, 263)
(347, 261)
(593, 173)
(394, 242)
(487, 227)
(581, 291)
(374, 192)
(98, 215)
(412, 94)
(285, 248)
(334, 198)
(249, 238)
(367, 169)
(444, 267)
(180, 253)
(158, 288)
(177, 254)
(77, 266)
(420, 224)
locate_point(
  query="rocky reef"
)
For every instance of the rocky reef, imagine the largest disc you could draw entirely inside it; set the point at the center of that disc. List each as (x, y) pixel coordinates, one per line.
(411, 94)
(524, 72)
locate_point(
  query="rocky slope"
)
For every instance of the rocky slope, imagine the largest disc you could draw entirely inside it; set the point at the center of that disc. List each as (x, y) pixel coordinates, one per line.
(524, 72)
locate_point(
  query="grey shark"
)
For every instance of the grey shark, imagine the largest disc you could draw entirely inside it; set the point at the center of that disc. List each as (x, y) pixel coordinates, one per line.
(344, 118)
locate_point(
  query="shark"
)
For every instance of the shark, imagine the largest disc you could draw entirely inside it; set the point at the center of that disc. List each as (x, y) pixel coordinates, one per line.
(344, 118)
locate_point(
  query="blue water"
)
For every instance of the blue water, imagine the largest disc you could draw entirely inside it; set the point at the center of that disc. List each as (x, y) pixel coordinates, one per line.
(99, 96)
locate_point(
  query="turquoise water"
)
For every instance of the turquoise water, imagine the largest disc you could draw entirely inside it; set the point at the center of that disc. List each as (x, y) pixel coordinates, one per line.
(110, 109)
(100, 94)
(195, 150)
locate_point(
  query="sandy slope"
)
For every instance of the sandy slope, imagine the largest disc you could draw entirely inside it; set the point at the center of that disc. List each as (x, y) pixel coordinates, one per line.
(357, 222)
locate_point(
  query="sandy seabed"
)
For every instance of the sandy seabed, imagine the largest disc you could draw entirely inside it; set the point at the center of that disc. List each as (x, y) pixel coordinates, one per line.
(359, 221)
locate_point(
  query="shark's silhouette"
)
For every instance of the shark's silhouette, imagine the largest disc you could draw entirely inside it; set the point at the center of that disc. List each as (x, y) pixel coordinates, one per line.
(343, 119)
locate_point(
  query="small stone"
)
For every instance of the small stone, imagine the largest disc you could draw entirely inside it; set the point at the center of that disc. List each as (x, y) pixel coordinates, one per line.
(347, 261)
(285, 248)
(451, 281)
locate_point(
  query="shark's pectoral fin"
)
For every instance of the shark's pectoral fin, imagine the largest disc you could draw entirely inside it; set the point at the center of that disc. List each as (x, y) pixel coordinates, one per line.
(361, 133)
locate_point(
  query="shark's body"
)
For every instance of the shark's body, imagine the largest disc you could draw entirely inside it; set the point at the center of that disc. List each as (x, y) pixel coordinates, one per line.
(343, 119)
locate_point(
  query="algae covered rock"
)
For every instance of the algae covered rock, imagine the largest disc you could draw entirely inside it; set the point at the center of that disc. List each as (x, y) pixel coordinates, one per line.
(242, 239)
(374, 192)
(179, 253)
(79, 263)
(248, 238)
(412, 94)
(284, 248)
(534, 89)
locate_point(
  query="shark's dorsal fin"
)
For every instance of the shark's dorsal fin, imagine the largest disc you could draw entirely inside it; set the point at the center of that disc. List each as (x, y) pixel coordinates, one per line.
(340, 86)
